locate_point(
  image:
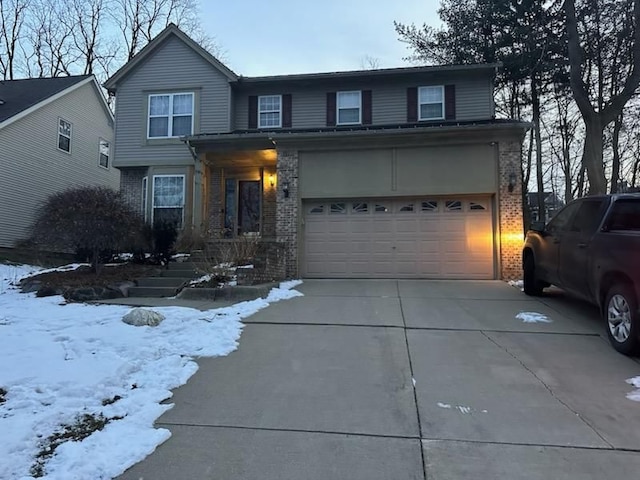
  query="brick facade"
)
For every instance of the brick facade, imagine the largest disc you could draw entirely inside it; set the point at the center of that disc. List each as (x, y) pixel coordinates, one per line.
(215, 208)
(131, 187)
(510, 209)
(287, 209)
(269, 203)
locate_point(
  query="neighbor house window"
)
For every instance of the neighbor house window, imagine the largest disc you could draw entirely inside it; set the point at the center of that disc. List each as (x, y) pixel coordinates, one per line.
(431, 103)
(103, 149)
(168, 199)
(64, 135)
(170, 115)
(349, 108)
(270, 111)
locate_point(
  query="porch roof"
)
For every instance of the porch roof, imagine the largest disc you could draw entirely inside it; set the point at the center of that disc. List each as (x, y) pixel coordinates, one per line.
(262, 139)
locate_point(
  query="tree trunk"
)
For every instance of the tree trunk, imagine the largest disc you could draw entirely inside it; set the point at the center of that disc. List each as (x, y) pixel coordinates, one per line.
(592, 155)
(615, 166)
(535, 102)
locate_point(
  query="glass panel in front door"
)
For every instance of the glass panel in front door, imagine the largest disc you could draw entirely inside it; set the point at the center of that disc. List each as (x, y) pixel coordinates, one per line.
(230, 207)
(248, 206)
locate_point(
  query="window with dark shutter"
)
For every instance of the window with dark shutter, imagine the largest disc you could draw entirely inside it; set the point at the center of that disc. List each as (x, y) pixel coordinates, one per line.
(253, 111)
(367, 113)
(450, 102)
(412, 104)
(331, 109)
(286, 110)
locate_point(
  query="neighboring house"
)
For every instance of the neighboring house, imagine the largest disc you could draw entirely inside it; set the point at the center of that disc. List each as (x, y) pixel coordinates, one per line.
(391, 173)
(552, 203)
(55, 133)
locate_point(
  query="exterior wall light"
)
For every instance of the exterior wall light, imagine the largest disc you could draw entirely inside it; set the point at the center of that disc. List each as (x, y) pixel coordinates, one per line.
(285, 189)
(272, 180)
(512, 181)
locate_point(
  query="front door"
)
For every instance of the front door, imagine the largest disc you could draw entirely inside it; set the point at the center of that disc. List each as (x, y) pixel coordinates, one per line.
(242, 206)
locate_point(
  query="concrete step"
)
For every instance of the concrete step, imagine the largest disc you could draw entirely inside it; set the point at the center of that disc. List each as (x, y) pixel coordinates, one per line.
(181, 265)
(180, 273)
(156, 292)
(171, 282)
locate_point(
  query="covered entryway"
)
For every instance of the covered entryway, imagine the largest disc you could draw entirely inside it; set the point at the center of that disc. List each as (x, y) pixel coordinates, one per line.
(427, 237)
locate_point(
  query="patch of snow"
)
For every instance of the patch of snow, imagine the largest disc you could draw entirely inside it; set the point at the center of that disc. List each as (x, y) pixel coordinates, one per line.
(414, 381)
(59, 362)
(533, 317)
(464, 410)
(444, 405)
(245, 266)
(635, 395)
(290, 284)
(202, 279)
(517, 284)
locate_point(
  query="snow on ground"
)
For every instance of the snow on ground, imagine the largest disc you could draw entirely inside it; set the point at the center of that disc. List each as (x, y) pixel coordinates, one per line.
(635, 395)
(60, 361)
(533, 317)
(517, 284)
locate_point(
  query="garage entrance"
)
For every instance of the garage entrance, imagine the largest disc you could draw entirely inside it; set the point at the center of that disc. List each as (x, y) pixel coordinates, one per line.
(438, 237)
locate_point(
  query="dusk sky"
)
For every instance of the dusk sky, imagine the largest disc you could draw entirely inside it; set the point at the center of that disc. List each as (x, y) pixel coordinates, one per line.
(271, 37)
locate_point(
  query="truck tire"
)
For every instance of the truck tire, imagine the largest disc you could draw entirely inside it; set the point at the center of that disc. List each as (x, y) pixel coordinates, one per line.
(532, 286)
(621, 315)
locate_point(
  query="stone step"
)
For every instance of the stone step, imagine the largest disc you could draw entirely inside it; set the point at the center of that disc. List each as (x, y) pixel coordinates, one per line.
(180, 265)
(171, 282)
(155, 292)
(180, 273)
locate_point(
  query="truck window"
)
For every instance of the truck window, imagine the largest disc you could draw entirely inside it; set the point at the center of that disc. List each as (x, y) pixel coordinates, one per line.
(560, 222)
(588, 216)
(625, 215)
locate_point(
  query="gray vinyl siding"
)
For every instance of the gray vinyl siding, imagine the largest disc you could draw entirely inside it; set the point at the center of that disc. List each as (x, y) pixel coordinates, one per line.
(389, 100)
(173, 67)
(33, 168)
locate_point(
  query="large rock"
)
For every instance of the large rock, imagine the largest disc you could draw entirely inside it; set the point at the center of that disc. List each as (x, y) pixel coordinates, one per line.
(139, 317)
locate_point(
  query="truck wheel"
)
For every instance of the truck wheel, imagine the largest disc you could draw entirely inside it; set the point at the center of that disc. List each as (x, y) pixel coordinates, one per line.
(621, 314)
(532, 286)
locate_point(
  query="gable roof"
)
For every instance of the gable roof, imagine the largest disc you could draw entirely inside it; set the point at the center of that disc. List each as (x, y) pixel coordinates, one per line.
(112, 82)
(20, 97)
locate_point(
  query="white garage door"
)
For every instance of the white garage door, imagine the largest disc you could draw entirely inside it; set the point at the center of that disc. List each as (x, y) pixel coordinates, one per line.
(392, 238)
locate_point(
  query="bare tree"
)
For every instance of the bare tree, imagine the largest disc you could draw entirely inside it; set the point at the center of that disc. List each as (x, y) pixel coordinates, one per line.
(367, 62)
(621, 20)
(12, 17)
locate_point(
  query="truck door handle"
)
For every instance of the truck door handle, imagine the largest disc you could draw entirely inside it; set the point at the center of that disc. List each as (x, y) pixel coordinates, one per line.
(582, 245)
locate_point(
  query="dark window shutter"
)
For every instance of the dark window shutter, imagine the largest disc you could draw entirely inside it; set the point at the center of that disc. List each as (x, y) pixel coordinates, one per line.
(450, 102)
(412, 104)
(331, 109)
(253, 111)
(366, 107)
(286, 110)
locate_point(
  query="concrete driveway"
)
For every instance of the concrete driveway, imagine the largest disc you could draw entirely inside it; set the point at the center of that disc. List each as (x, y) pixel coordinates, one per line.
(407, 380)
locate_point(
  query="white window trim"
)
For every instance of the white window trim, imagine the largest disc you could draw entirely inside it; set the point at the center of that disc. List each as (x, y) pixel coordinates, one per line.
(279, 125)
(420, 103)
(145, 197)
(170, 114)
(100, 140)
(60, 134)
(338, 122)
(153, 196)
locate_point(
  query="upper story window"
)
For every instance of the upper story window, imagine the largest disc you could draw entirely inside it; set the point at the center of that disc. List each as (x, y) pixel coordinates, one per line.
(270, 111)
(64, 135)
(349, 106)
(431, 103)
(170, 115)
(103, 153)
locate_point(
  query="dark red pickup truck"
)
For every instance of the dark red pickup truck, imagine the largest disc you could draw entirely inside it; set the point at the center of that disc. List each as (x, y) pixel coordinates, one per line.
(591, 249)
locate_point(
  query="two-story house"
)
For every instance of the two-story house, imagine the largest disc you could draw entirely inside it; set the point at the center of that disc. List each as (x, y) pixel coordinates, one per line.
(55, 133)
(389, 173)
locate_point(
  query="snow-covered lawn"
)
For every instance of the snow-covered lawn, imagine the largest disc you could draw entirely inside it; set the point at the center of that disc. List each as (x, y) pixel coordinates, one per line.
(64, 363)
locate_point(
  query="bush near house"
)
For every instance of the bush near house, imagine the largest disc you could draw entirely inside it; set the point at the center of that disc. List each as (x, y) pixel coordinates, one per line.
(87, 220)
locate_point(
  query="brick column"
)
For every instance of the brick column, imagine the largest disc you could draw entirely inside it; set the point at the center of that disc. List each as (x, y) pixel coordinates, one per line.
(287, 209)
(131, 187)
(510, 205)
(216, 217)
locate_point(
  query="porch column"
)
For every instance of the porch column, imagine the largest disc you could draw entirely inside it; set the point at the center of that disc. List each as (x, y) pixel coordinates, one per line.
(510, 205)
(287, 209)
